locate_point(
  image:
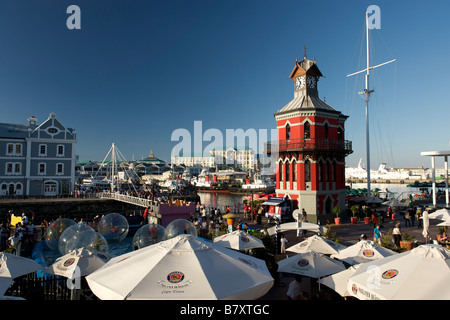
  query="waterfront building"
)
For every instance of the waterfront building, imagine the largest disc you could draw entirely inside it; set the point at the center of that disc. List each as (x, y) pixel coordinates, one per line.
(238, 158)
(197, 161)
(37, 159)
(310, 171)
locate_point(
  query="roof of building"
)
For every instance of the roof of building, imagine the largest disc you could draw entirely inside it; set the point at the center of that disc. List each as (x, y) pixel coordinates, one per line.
(21, 131)
(306, 102)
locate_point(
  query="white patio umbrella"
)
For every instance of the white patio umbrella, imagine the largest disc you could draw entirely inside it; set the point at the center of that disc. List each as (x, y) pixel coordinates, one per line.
(426, 226)
(318, 244)
(183, 267)
(311, 264)
(294, 226)
(338, 281)
(363, 251)
(445, 223)
(12, 266)
(441, 214)
(238, 240)
(394, 203)
(419, 274)
(86, 260)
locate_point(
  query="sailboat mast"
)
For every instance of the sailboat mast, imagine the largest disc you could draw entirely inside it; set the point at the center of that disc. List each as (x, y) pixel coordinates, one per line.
(367, 94)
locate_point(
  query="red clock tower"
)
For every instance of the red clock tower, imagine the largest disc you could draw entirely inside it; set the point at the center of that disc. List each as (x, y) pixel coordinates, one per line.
(311, 148)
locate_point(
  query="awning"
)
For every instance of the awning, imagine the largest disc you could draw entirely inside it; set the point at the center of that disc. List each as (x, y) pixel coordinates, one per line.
(273, 202)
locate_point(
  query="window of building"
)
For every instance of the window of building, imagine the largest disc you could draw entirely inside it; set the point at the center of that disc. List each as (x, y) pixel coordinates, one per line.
(59, 169)
(333, 171)
(42, 150)
(17, 168)
(319, 171)
(14, 149)
(280, 165)
(288, 172)
(288, 132)
(9, 168)
(42, 168)
(60, 150)
(325, 128)
(307, 171)
(340, 133)
(10, 148)
(307, 130)
(294, 171)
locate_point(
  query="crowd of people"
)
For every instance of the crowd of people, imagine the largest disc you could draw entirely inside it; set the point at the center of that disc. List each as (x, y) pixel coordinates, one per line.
(20, 237)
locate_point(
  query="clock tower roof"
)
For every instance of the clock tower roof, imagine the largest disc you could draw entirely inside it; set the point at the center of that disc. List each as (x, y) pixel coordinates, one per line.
(305, 66)
(306, 98)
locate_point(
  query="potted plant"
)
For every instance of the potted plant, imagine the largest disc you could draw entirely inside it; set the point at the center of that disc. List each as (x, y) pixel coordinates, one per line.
(354, 209)
(366, 211)
(337, 210)
(407, 241)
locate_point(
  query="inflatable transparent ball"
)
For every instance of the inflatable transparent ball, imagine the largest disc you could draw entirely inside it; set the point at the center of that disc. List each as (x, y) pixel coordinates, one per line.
(87, 239)
(55, 230)
(181, 226)
(113, 227)
(149, 234)
(69, 233)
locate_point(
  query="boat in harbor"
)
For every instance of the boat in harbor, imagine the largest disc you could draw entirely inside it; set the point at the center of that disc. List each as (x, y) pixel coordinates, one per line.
(382, 173)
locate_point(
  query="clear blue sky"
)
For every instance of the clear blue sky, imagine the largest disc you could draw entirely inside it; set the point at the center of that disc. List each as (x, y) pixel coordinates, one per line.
(138, 70)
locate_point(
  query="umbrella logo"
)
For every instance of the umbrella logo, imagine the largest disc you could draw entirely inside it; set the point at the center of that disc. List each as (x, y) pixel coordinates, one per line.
(250, 263)
(389, 274)
(304, 244)
(69, 262)
(245, 239)
(368, 253)
(354, 289)
(175, 277)
(303, 263)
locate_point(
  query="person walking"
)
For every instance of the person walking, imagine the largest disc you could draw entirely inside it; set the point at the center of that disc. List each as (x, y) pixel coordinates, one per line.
(407, 218)
(377, 235)
(283, 242)
(419, 218)
(374, 219)
(396, 232)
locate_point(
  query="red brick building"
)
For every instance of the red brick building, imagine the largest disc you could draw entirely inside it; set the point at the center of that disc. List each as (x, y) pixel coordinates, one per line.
(311, 148)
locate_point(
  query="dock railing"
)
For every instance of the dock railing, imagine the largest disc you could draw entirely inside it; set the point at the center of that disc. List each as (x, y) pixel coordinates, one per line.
(142, 202)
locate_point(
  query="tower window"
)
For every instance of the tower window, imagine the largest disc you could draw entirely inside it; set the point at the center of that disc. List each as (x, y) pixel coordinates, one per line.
(294, 173)
(340, 133)
(307, 171)
(288, 176)
(325, 128)
(307, 129)
(319, 171)
(280, 165)
(288, 132)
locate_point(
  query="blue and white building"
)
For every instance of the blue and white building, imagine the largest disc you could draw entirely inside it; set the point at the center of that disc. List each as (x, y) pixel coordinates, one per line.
(37, 159)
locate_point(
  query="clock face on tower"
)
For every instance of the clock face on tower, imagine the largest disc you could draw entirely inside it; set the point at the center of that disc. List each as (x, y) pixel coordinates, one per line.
(312, 82)
(300, 82)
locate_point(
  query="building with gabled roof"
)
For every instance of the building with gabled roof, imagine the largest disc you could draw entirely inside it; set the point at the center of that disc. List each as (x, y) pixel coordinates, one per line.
(37, 159)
